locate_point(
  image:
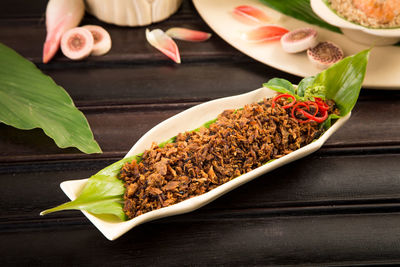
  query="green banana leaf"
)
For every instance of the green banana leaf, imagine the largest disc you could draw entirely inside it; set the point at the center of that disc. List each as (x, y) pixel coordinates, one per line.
(30, 99)
(343, 81)
(301, 10)
(103, 193)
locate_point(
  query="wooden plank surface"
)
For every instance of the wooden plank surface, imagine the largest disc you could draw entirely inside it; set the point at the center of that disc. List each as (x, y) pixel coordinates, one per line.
(339, 206)
(214, 239)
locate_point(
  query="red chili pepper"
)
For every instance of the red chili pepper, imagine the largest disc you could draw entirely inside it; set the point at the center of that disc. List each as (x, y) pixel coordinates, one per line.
(322, 118)
(315, 118)
(307, 114)
(315, 105)
(296, 108)
(284, 95)
(321, 103)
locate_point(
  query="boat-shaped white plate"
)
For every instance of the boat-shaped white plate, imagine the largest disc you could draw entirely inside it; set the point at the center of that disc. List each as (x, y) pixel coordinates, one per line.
(186, 121)
(383, 66)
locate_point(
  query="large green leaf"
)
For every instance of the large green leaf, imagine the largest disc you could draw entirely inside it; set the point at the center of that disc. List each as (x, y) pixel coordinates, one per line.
(343, 80)
(30, 99)
(103, 193)
(301, 10)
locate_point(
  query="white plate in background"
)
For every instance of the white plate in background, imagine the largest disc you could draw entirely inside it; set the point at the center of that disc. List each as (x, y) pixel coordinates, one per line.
(383, 71)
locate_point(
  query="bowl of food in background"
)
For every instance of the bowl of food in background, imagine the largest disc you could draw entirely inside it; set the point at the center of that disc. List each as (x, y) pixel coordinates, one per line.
(371, 22)
(132, 12)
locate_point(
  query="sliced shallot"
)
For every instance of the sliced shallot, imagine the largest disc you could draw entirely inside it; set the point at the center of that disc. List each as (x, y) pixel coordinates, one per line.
(102, 40)
(188, 35)
(250, 15)
(164, 43)
(77, 43)
(264, 33)
(325, 54)
(61, 15)
(299, 40)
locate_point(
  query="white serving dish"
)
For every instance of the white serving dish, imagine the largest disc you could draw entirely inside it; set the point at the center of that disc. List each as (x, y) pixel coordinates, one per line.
(188, 120)
(132, 12)
(355, 32)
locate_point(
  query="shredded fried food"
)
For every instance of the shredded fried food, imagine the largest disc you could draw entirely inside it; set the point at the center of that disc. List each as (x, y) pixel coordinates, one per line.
(198, 161)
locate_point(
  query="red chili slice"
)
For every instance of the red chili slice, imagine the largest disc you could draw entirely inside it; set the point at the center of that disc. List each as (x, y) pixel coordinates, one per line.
(304, 108)
(296, 108)
(319, 119)
(307, 114)
(315, 105)
(321, 104)
(284, 95)
(315, 118)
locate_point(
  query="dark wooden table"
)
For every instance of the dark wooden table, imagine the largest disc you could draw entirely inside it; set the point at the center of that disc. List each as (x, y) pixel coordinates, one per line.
(339, 206)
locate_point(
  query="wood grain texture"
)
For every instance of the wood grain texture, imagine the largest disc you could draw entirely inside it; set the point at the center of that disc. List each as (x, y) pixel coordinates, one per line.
(338, 207)
(234, 240)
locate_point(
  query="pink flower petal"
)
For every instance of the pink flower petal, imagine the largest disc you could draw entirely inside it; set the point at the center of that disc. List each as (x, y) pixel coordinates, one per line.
(264, 33)
(251, 15)
(164, 43)
(188, 35)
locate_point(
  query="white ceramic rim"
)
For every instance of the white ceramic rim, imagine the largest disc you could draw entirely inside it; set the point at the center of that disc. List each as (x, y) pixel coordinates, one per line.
(195, 117)
(327, 14)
